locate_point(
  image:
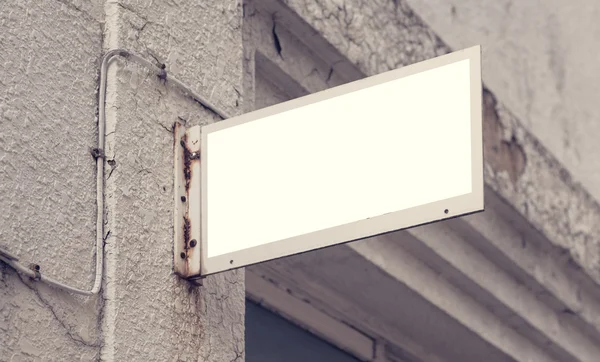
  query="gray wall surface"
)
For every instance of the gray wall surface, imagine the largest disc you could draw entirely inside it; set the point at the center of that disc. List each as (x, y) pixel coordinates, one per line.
(50, 53)
(541, 59)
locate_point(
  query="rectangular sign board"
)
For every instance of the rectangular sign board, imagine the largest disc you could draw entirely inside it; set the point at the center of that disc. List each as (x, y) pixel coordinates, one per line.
(384, 153)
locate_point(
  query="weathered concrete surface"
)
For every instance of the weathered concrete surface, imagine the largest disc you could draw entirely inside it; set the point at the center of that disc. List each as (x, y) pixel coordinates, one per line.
(381, 35)
(149, 313)
(567, 330)
(375, 35)
(49, 53)
(545, 67)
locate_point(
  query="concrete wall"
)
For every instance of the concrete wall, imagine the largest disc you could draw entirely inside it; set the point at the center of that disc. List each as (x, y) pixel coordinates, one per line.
(50, 53)
(540, 59)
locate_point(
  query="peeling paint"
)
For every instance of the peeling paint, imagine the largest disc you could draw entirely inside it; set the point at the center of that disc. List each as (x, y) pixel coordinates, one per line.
(501, 154)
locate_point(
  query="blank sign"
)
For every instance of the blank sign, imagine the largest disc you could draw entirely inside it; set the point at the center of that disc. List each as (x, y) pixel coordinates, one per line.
(388, 152)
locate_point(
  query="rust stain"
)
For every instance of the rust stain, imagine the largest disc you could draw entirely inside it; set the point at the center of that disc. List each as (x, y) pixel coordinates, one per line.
(501, 154)
(186, 232)
(186, 237)
(188, 158)
(175, 130)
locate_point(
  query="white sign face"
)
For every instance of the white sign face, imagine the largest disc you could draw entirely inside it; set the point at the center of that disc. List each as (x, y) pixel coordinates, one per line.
(384, 153)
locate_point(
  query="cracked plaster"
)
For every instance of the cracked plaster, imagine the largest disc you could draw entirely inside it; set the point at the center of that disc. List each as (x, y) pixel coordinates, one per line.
(201, 44)
(49, 58)
(48, 80)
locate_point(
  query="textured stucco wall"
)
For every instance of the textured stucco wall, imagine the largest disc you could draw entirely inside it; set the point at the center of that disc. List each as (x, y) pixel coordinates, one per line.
(50, 53)
(149, 313)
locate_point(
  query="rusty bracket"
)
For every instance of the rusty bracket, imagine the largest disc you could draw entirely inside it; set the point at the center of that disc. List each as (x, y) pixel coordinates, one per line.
(187, 218)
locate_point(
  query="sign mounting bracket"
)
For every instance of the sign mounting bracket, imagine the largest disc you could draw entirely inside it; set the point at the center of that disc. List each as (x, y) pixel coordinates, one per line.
(270, 196)
(187, 203)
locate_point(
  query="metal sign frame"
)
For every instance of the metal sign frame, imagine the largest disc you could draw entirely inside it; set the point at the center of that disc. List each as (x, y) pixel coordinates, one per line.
(423, 214)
